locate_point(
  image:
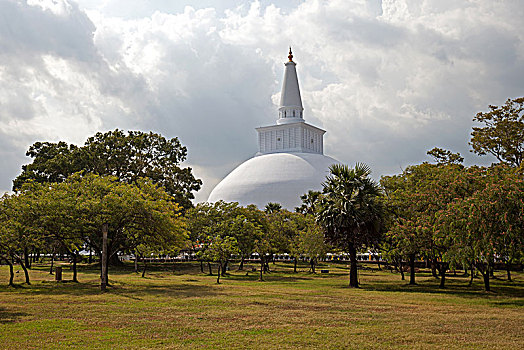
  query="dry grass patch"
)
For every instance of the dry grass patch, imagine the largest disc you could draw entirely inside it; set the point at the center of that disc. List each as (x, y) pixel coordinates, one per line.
(182, 308)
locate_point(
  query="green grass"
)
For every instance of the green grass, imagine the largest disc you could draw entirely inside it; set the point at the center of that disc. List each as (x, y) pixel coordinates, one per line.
(184, 309)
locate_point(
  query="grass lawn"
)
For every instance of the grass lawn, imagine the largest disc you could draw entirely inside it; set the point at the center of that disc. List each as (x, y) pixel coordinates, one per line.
(183, 309)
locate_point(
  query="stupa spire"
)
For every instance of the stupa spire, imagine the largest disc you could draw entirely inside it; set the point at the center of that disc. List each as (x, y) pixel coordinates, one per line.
(290, 109)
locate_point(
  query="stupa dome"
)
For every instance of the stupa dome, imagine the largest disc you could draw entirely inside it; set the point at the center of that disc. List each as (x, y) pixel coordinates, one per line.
(276, 177)
(289, 161)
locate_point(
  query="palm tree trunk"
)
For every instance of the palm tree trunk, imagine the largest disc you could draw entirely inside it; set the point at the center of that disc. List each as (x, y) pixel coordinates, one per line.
(353, 272)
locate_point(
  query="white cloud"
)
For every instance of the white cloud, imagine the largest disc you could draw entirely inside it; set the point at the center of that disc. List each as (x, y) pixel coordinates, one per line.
(387, 79)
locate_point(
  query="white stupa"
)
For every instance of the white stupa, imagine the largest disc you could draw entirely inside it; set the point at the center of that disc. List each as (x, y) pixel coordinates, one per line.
(290, 160)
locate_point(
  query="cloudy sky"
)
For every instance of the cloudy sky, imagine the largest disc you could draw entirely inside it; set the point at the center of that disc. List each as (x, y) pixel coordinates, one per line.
(387, 79)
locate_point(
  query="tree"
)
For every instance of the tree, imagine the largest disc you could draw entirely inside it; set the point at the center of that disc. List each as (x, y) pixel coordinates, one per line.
(487, 225)
(244, 230)
(200, 221)
(220, 250)
(309, 202)
(414, 198)
(127, 157)
(73, 213)
(272, 207)
(503, 132)
(20, 233)
(350, 211)
(443, 156)
(311, 243)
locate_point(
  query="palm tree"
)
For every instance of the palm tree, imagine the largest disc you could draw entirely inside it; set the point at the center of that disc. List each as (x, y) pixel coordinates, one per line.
(272, 207)
(309, 201)
(350, 211)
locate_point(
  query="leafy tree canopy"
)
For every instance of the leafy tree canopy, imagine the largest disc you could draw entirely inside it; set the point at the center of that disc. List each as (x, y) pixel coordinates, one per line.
(443, 156)
(503, 132)
(128, 157)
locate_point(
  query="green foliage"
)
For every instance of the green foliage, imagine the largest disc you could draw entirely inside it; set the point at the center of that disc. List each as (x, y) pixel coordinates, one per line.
(272, 207)
(503, 132)
(443, 156)
(309, 202)
(413, 200)
(72, 213)
(127, 157)
(310, 242)
(350, 211)
(488, 224)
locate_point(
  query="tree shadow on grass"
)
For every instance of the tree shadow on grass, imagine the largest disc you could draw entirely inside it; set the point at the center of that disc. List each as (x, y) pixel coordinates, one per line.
(177, 290)
(268, 277)
(7, 316)
(455, 287)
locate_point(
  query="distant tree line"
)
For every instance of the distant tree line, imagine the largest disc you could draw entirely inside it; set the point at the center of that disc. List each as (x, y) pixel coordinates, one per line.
(448, 215)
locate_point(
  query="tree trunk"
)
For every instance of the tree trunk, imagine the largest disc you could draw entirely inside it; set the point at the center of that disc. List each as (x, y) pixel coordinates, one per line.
(401, 269)
(486, 281)
(224, 268)
(26, 258)
(90, 256)
(219, 271)
(442, 269)
(434, 267)
(262, 264)
(75, 279)
(25, 271)
(144, 270)
(266, 263)
(11, 272)
(107, 276)
(52, 263)
(295, 265)
(209, 267)
(202, 266)
(136, 263)
(353, 272)
(241, 266)
(508, 271)
(472, 275)
(484, 271)
(412, 269)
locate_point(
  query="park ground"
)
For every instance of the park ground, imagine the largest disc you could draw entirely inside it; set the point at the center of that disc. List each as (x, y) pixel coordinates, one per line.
(177, 307)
